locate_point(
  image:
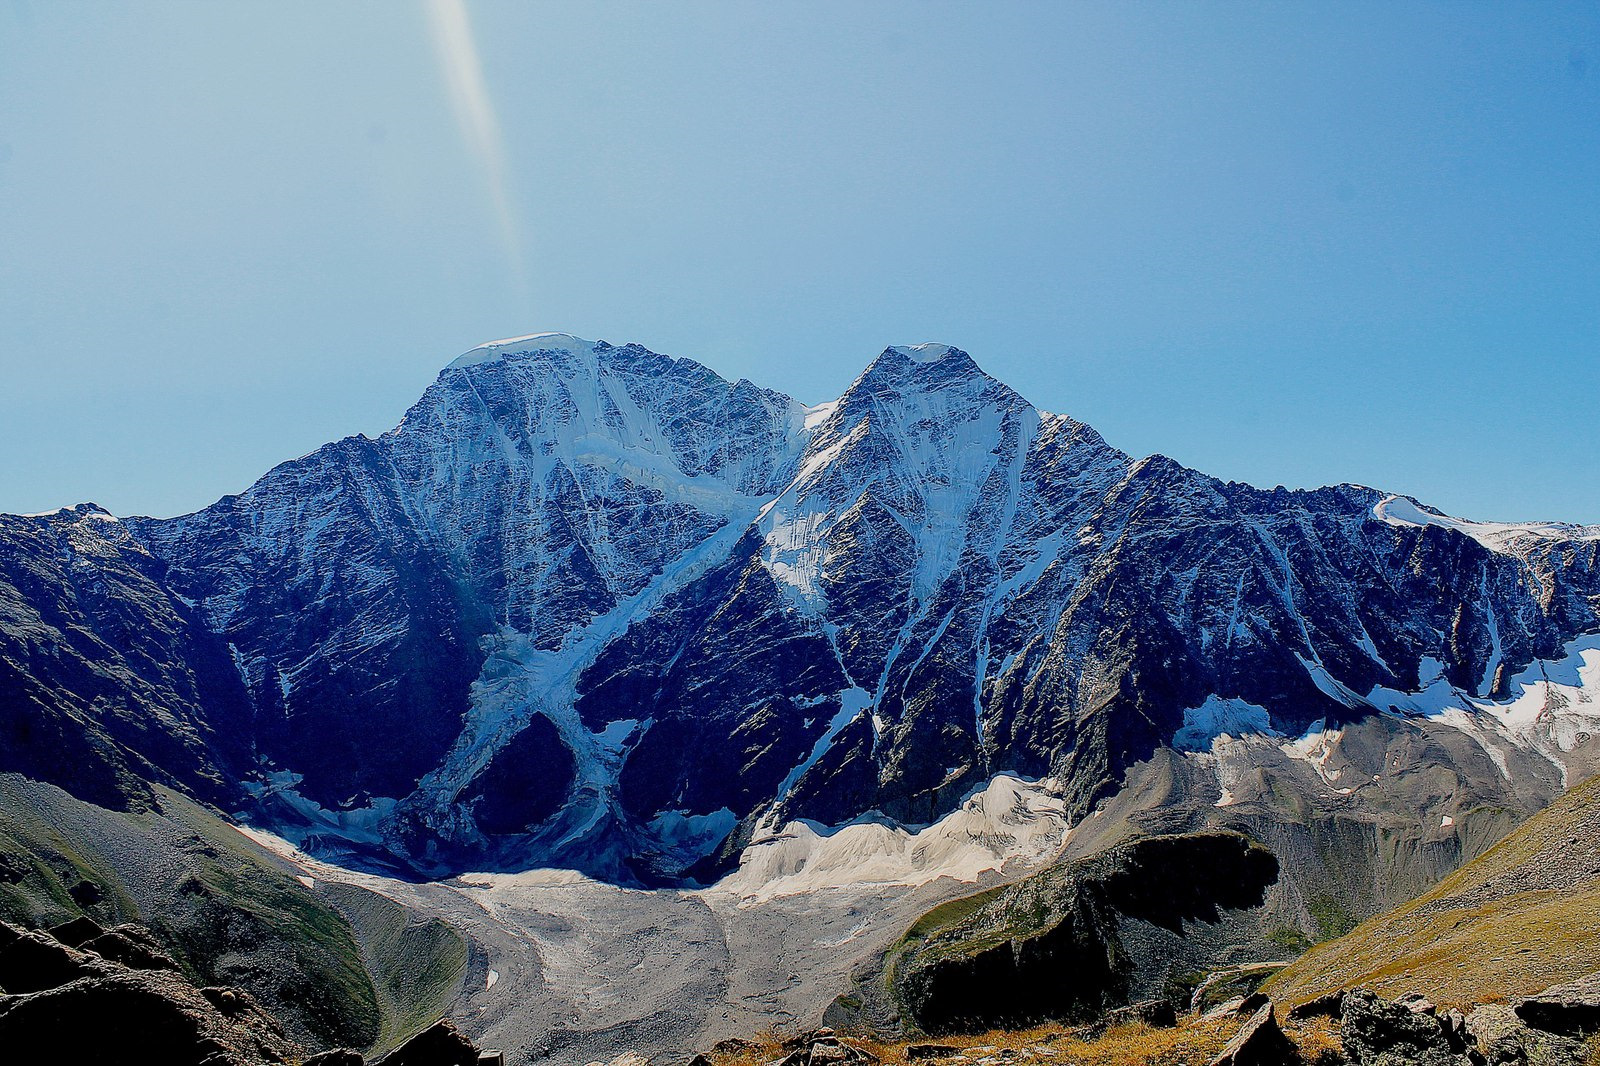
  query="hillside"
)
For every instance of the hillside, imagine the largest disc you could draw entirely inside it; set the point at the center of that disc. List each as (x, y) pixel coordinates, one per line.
(1515, 920)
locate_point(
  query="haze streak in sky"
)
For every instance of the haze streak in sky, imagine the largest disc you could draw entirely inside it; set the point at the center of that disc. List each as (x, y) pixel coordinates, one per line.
(469, 95)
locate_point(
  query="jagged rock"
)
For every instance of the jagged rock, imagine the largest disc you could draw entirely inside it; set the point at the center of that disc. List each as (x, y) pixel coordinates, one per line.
(628, 1058)
(1502, 1037)
(1572, 1007)
(700, 1060)
(440, 1044)
(155, 1013)
(1156, 1013)
(826, 1054)
(77, 932)
(1259, 1042)
(342, 1056)
(34, 962)
(931, 1051)
(1327, 1005)
(806, 1039)
(1377, 1032)
(131, 946)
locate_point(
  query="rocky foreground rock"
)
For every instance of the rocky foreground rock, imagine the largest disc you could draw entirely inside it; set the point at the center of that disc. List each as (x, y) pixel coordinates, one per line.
(1412, 1031)
(115, 995)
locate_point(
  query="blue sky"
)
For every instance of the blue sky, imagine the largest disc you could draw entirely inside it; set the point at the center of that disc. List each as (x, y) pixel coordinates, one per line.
(1282, 243)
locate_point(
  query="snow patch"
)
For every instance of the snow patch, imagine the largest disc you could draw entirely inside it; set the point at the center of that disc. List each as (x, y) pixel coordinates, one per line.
(1010, 820)
(1498, 537)
(533, 342)
(924, 353)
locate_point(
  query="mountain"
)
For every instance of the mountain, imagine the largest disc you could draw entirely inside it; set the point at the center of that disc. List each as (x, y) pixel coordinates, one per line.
(595, 607)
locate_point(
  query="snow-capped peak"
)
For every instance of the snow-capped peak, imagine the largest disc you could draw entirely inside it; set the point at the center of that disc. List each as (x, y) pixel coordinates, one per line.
(532, 342)
(1496, 536)
(926, 353)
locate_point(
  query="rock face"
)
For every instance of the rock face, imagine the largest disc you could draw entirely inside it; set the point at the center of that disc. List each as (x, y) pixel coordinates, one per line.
(612, 612)
(1072, 942)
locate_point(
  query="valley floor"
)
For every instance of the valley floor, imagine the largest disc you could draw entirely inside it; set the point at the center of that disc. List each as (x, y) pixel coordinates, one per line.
(566, 970)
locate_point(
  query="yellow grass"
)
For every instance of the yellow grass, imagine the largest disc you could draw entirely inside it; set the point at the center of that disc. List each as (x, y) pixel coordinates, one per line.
(1462, 956)
(1192, 1044)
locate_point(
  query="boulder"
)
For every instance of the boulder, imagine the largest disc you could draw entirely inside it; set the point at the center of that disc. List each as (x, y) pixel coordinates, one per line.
(1156, 1013)
(1570, 1008)
(440, 1044)
(133, 947)
(1502, 1037)
(828, 1054)
(1259, 1042)
(34, 962)
(77, 932)
(1376, 1032)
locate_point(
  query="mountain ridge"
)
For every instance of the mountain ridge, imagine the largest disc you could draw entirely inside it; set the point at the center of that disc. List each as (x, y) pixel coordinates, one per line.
(578, 580)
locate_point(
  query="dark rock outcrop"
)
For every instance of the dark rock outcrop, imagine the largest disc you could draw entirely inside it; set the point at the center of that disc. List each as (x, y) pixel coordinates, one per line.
(440, 1044)
(1259, 1042)
(1072, 942)
(1377, 1032)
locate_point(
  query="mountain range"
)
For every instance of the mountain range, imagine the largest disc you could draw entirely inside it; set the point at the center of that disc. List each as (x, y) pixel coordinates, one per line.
(592, 607)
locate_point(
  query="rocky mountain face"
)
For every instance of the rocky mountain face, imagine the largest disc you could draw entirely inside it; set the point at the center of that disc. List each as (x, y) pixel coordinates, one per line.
(597, 607)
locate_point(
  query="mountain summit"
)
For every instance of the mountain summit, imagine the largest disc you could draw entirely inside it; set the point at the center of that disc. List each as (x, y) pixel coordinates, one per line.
(592, 606)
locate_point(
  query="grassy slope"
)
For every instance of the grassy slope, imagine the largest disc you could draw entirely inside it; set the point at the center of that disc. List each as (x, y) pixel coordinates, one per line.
(1515, 920)
(417, 964)
(229, 911)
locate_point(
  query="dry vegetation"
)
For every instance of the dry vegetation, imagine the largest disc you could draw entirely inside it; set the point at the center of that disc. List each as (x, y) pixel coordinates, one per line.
(1193, 1043)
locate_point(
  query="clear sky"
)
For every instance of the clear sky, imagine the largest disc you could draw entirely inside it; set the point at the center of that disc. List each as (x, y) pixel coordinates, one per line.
(1282, 243)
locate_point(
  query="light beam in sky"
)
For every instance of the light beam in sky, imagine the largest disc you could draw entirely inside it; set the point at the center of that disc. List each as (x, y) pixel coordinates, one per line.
(469, 95)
